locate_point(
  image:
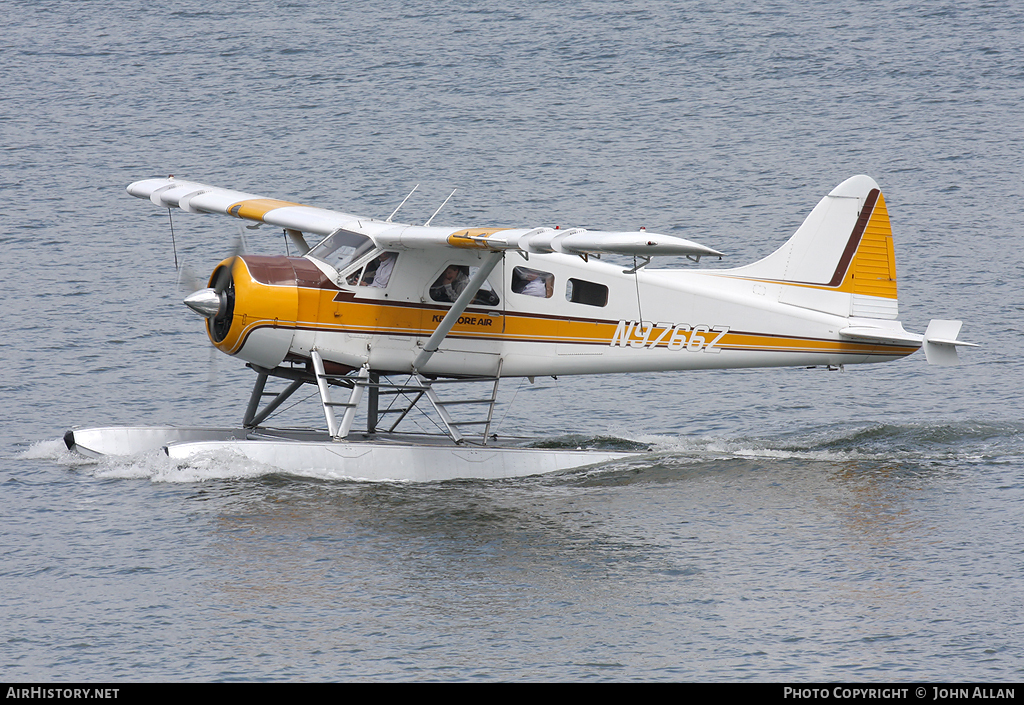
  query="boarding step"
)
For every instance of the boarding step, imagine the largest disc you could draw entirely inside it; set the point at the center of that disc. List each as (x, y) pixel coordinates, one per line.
(338, 429)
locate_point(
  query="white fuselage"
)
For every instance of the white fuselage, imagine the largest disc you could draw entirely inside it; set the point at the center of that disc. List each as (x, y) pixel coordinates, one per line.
(652, 320)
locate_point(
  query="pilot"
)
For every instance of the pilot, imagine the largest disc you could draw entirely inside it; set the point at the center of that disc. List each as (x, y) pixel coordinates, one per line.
(385, 265)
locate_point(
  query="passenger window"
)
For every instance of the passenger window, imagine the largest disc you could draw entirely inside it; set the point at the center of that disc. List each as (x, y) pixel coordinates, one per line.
(376, 273)
(533, 282)
(453, 280)
(584, 292)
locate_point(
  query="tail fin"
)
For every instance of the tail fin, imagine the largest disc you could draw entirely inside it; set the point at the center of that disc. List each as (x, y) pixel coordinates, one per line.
(841, 259)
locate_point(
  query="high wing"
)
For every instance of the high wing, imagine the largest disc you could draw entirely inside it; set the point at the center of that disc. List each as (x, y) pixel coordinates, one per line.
(200, 198)
(193, 197)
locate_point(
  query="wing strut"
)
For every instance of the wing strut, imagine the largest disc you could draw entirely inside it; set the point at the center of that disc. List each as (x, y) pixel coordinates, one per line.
(457, 309)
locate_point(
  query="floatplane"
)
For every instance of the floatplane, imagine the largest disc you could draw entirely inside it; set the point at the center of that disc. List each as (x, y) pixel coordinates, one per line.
(391, 317)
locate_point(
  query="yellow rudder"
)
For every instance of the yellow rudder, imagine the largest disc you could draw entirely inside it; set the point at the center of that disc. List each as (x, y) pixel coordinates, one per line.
(872, 272)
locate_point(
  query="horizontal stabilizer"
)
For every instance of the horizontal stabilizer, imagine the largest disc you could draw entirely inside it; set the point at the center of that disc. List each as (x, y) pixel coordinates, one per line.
(889, 335)
(940, 343)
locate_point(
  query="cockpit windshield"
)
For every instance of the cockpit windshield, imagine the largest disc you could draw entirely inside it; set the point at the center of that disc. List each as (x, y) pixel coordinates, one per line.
(341, 248)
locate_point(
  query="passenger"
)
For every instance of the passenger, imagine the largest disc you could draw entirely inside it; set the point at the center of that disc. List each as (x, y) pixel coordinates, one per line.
(450, 284)
(532, 283)
(539, 285)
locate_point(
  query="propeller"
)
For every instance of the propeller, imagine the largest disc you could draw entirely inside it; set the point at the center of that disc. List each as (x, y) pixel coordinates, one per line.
(216, 303)
(188, 281)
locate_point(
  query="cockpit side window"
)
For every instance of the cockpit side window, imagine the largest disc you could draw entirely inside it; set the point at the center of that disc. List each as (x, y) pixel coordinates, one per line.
(454, 279)
(376, 272)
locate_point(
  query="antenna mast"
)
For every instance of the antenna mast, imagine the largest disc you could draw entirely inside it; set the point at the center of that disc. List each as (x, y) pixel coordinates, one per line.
(401, 204)
(440, 207)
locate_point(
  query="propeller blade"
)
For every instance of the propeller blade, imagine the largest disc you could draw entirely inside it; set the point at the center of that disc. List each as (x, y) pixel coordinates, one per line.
(224, 273)
(223, 277)
(188, 282)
